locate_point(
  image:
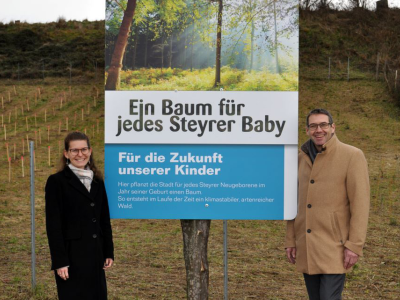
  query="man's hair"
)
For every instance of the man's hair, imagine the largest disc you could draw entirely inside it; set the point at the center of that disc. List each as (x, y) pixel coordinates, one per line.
(320, 111)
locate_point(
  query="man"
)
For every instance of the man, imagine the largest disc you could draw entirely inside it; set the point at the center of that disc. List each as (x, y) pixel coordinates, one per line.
(326, 238)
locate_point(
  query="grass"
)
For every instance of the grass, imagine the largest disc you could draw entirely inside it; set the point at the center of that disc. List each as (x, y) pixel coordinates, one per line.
(149, 258)
(203, 80)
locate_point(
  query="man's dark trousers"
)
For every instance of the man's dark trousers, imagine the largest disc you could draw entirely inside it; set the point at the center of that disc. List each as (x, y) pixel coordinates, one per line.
(325, 286)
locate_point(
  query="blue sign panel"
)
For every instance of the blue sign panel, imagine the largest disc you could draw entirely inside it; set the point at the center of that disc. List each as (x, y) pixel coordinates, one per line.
(195, 181)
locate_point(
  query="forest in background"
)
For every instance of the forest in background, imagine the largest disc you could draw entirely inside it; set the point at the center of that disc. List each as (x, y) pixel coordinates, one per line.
(255, 36)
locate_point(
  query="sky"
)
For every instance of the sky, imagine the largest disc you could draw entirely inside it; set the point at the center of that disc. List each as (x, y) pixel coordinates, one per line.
(43, 11)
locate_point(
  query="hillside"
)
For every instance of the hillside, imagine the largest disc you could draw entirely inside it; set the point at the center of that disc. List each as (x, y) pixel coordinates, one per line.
(361, 39)
(50, 49)
(149, 257)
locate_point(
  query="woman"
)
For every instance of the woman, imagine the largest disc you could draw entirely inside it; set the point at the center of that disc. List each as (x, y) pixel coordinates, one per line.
(78, 223)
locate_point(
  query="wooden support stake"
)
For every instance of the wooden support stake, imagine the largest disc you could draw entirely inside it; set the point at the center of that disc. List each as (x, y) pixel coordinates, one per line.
(27, 103)
(9, 169)
(85, 131)
(16, 112)
(2, 102)
(34, 159)
(82, 113)
(61, 102)
(48, 133)
(8, 152)
(27, 124)
(38, 89)
(49, 156)
(9, 118)
(23, 147)
(27, 142)
(22, 163)
(15, 91)
(59, 127)
(2, 120)
(35, 137)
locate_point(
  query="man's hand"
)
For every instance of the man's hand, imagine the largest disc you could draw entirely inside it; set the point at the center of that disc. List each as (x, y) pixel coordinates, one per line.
(350, 258)
(63, 273)
(108, 263)
(291, 254)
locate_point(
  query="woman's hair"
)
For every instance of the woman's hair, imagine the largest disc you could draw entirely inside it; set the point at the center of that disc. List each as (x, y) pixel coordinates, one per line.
(79, 136)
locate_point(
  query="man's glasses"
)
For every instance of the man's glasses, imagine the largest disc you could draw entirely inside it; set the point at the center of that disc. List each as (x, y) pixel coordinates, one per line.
(84, 151)
(323, 126)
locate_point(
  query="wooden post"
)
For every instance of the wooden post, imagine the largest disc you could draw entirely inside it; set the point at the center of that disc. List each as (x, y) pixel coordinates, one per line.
(377, 66)
(48, 132)
(61, 102)
(9, 169)
(7, 150)
(35, 137)
(23, 147)
(27, 103)
(49, 156)
(9, 118)
(59, 127)
(27, 125)
(2, 102)
(27, 142)
(15, 91)
(22, 164)
(82, 113)
(85, 131)
(34, 159)
(2, 120)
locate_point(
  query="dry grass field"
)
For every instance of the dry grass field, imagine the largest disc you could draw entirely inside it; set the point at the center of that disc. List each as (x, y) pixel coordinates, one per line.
(149, 258)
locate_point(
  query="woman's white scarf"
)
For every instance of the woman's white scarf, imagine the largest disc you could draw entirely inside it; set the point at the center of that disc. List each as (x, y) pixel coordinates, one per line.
(84, 175)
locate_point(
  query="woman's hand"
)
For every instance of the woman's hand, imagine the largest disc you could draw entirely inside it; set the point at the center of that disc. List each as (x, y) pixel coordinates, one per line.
(108, 263)
(63, 273)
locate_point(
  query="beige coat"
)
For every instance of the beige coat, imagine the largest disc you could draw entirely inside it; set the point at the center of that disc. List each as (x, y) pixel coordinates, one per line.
(333, 208)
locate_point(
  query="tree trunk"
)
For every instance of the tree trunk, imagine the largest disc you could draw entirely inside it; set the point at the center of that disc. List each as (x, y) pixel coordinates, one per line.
(135, 46)
(146, 46)
(252, 46)
(219, 44)
(276, 43)
(170, 51)
(195, 240)
(113, 79)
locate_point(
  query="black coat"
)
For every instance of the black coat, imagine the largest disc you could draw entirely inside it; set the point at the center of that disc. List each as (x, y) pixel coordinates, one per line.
(79, 232)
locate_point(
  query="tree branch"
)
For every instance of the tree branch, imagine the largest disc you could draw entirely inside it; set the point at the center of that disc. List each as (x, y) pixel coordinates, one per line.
(119, 4)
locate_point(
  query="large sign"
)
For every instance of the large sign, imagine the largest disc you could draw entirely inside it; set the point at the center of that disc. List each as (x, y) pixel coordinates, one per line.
(203, 124)
(201, 155)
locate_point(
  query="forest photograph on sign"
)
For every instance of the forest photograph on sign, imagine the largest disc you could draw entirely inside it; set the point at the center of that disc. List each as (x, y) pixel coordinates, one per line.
(249, 45)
